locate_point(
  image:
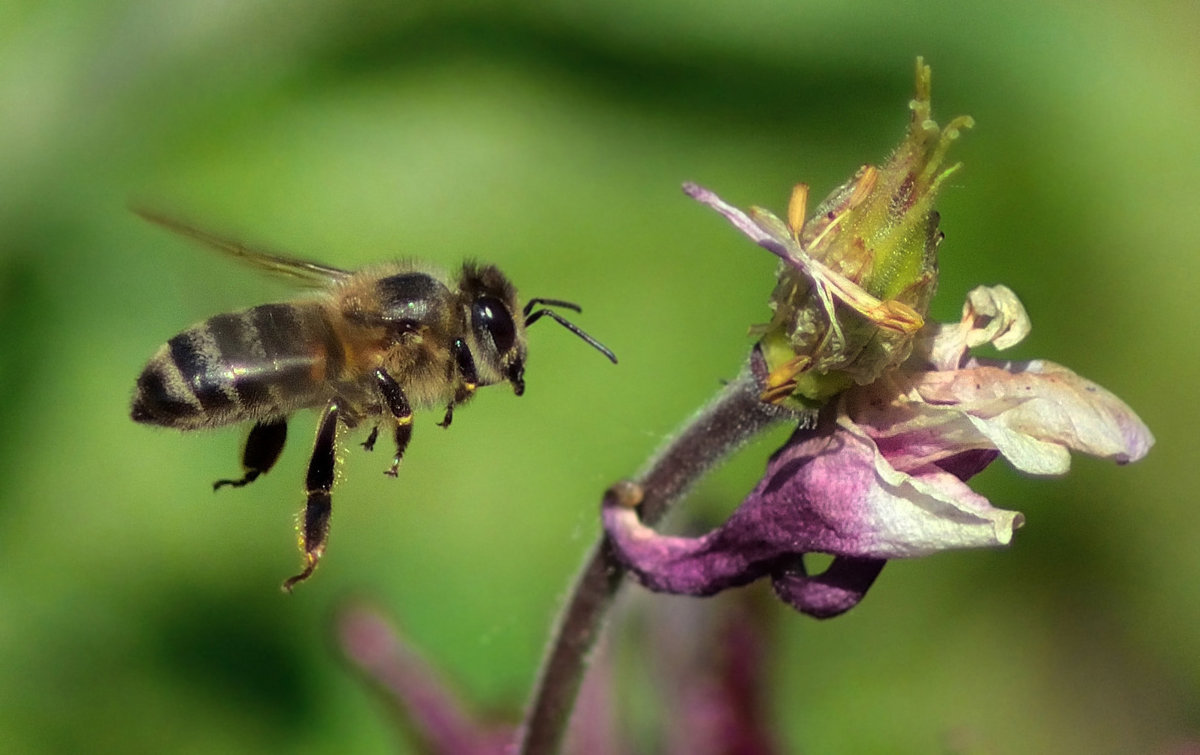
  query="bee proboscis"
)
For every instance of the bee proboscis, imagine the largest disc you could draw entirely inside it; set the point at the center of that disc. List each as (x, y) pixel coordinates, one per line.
(370, 346)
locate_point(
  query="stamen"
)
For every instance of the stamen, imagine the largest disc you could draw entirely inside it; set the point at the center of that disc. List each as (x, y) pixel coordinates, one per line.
(797, 208)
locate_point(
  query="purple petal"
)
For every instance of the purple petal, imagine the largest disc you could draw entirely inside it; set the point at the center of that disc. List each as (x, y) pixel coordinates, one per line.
(834, 591)
(829, 492)
(967, 464)
(840, 494)
(773, 243)
(683, 565)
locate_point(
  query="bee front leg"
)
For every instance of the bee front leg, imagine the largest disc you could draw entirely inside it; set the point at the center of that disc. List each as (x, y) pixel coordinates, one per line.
(369, 443)
(467, 372)
(397, 404)
(314, 532)
(264, 444)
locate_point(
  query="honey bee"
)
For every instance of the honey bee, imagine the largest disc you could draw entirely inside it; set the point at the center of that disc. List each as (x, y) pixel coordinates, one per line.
(371, 346)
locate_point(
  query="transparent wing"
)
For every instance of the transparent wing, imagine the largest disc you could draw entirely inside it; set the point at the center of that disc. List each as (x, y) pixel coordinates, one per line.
(301, 272)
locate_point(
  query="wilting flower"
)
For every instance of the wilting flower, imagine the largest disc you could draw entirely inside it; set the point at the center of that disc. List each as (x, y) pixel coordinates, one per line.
(879, 473)
(883, 475)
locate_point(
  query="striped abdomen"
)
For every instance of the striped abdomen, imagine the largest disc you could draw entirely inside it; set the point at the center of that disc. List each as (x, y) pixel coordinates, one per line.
(259, 363)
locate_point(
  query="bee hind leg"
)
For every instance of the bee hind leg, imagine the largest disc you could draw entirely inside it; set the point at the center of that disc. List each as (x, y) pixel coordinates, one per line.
(264, 444)
(314, 530)
(401, 410)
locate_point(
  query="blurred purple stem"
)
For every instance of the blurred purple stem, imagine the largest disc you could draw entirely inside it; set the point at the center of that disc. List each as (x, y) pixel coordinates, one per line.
(429, 714)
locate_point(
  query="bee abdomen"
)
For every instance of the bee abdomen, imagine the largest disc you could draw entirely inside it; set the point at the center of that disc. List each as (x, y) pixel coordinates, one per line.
(261, 362)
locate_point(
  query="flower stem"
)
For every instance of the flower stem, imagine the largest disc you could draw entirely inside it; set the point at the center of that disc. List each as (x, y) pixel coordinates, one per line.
(729, 420)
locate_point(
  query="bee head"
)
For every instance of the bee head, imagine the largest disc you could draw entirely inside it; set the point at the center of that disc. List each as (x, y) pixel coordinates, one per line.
(496, 331)
(498, 324)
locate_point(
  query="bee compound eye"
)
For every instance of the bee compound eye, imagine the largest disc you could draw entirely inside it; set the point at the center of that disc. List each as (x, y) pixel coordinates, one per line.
(489, 314)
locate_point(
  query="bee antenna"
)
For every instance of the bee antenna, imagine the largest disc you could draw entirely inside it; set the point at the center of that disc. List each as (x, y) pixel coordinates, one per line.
(530, 319)
(549, 303)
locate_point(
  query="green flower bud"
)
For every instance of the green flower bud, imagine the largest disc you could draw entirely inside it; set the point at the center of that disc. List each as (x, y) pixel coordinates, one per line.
(857, 276)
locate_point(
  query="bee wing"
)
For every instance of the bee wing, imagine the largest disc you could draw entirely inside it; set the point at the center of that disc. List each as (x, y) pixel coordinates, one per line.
(303, 272)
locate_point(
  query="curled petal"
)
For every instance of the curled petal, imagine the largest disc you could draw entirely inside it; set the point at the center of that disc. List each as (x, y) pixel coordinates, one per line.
(991, 314)
(832, 592)
(684, 565)
(995, 315)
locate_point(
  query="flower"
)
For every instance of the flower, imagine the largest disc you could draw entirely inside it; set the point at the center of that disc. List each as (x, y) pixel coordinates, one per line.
(883, 474)
(879, 473)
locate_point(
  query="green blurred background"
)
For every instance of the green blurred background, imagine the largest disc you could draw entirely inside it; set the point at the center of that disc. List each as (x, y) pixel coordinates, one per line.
(140, 612)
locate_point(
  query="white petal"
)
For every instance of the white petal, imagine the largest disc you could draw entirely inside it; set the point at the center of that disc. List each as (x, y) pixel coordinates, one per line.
(909, 515)
(1026, 409)
(1026, 453)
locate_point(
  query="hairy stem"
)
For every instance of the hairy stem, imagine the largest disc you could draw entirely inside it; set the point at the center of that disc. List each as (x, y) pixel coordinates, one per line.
(732, 418)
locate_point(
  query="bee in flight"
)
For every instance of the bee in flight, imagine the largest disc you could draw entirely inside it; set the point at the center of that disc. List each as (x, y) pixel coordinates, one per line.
(372, 346)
